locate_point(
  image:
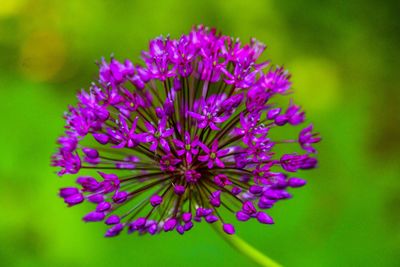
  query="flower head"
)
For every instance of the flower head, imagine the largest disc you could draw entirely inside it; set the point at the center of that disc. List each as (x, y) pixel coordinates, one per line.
(182, 137)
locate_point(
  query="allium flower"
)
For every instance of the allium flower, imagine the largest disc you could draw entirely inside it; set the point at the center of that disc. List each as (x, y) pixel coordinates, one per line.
(183, 138)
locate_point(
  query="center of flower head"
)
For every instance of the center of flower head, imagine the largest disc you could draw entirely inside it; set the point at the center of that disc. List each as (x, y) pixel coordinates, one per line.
(199, 146)
(192, 176)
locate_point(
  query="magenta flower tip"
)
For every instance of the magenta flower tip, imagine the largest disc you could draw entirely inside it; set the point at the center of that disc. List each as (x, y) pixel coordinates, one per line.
(228, 228)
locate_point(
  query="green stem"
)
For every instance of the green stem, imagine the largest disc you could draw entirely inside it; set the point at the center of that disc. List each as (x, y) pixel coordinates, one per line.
(248, 250)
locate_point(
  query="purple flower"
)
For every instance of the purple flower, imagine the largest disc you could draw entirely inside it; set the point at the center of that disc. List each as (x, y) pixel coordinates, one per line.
(183, 137)
(259, 149)
(242, 216)
(68, 191)
(168, 163)
(180, 229)
(293, 162)
(137, 224)
(91, 107)
(262, 174)
(124, 135)
(222, 180)
(115, 230)
(293, 115)
(276, 81)
(251, 129)
(90, 153)
(215, 198)
(208, 117)
(181, 53)
(187, 217)
(179, 189)
(212, 155)
(228, 228)
(115, 72)
(249, 208)
(192, 176)
(120, 197)
(257, 97)
(262, 217)
(89, 184)
(74, 199)
(307, 138)
(157, 61)
(68, 142)
(170, 224)
(157, 135)
(68, 161)
(265, 203)
(211, 218)
(103, 206)
(188, 226)
(296, 182)
(188, 147)
(243, 75)
(236, 190)
(113, 219)
(156, 200)
(94, 216)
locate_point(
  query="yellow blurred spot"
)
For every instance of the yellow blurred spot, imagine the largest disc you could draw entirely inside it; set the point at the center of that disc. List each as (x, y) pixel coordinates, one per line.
(42, 55)
(10, 7)
(315, 83)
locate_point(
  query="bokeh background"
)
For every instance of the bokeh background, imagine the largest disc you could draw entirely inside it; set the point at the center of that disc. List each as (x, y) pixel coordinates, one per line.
(344, 57)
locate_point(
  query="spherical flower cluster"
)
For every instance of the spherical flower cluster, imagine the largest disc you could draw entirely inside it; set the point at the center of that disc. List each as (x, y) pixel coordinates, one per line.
(184, 137)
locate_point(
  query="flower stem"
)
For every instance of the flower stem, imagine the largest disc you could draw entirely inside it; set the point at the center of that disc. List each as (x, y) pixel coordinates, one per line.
(246, 249)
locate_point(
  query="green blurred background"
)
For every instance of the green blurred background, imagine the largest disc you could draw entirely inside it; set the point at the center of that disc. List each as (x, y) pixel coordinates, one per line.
(344, 58)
